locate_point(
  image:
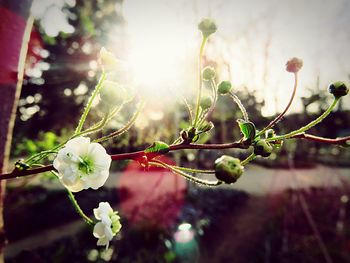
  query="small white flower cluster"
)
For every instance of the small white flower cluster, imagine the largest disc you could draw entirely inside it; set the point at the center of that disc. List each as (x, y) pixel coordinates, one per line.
(108, 225)
(82, 164)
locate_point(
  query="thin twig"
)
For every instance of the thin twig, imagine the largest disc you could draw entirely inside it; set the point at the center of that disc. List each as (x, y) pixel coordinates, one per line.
(240, 105)
(321, 139)
(274, 121)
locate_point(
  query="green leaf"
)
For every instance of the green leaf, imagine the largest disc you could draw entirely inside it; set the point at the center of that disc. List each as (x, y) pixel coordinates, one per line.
(158, 147)
(247, 128)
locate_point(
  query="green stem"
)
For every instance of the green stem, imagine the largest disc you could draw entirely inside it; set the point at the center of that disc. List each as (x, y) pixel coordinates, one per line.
(308, 126)
(240, 105)
(42, 155)
(89, 104)
(248, 159)
(215, 97)
(95, 128)
(202, 117)
(185, 175)
(125, 128)
(78, 209)
(189, 110)
(192, 170)
(199, 95)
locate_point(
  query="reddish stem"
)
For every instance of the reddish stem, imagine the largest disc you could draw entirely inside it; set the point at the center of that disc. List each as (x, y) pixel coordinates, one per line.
(274, 121)
(141, 156)
(321, 139)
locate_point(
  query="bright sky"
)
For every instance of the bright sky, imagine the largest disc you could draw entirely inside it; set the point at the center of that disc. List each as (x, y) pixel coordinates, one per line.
(254, 40)
(164, 39)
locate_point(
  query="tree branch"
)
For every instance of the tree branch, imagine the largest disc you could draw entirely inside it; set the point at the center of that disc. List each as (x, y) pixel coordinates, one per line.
(138, 156)
(141, 156)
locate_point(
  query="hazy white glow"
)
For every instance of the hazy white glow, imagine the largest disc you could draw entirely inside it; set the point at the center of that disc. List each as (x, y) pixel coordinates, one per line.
(159, 46)
(254, 41)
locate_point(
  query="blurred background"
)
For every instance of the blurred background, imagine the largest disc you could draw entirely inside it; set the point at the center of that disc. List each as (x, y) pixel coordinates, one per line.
(291, 207)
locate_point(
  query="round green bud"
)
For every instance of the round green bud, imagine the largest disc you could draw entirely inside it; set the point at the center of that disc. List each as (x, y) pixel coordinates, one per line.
(224, 87)
(228, 169)
(263, 148)
(338, 89)
(206, 102)
(207, 26)
(208, 73)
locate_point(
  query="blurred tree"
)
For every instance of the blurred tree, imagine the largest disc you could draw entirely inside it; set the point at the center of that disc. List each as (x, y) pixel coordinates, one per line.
(65, 54)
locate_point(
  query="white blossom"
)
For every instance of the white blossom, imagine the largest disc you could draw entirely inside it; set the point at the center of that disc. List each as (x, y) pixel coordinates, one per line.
(108, 225)
(82, 164)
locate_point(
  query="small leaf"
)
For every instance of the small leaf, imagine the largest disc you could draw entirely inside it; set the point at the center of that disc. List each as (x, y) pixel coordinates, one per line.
(247, 128)
(158, 147)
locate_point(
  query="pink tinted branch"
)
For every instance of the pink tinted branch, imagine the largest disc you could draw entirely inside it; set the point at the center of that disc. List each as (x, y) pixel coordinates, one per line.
(149, 156)
(321, 139)
(274, 121)
(138, 156)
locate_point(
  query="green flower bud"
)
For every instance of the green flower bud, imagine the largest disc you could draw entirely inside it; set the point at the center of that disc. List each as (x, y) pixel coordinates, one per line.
(206, 102)
(207, 26)
(338, 89)
(270, 133)
(224, 87)
(206, 126)
(263, 148)
(228, 169)
(21, 165)
(208, 73)
(192, 132)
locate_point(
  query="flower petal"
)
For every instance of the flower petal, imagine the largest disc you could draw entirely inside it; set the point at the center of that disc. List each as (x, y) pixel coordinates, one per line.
(99, 155)
(99, 230)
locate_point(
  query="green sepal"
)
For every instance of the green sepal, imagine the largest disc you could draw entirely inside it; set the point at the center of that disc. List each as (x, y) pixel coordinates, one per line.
(158, 147)
(248, 129)
(262, 148)
(205, 127)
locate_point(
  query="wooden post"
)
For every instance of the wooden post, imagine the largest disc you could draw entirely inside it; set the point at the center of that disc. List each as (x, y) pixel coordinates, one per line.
(15, 28)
